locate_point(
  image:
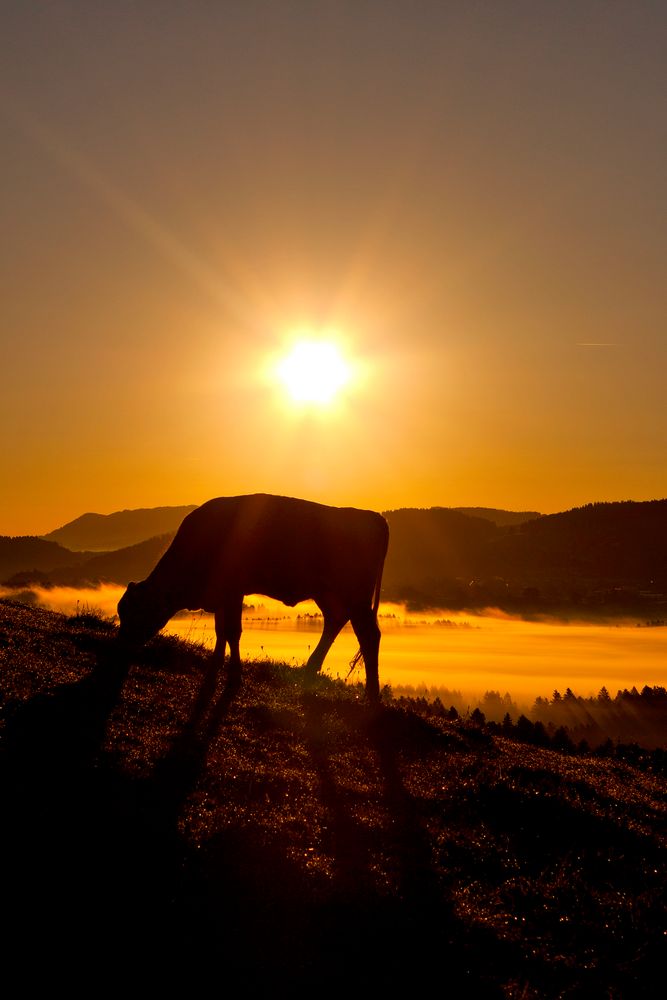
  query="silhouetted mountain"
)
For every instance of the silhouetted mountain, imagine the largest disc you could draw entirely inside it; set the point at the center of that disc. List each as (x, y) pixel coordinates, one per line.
(430, 549)
(611, 554)
(132, 563)
(499, 517)
(624, 542)
(604, 555)
(26, 552)
(102, 532)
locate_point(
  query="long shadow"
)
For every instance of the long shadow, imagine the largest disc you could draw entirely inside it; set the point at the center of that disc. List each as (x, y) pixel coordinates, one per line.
(175, 775)
(351, 849)
(413, 924)
(95, 869)
(64, 729)
(94, 860)
(210, 711)
(91, 856)
(56, 830)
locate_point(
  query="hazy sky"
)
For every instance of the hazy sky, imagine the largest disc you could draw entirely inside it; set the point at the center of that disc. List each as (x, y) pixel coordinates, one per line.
(471, 194)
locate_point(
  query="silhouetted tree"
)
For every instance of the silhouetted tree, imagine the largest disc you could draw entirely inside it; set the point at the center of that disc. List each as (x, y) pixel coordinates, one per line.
(561, 740)
(540, 737)
(524, 729)
(477, 718)
(438, 708)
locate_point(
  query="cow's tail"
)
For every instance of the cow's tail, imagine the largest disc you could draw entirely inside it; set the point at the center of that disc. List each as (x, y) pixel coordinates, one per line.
(358, 656)
(378, 588)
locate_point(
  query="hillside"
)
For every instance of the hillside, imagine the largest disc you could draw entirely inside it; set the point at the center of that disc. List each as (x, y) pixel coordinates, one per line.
(163, 833)
(101, 532)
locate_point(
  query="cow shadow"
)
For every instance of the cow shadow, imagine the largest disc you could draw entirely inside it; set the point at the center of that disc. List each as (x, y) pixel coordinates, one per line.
(62, 729)
(94, 855)
(217, 692)
(416, 917)
(321, 716)
(59, 830)
(90, 852)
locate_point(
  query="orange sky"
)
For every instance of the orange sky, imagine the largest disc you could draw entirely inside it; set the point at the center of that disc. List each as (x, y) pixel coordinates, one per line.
(472, 195)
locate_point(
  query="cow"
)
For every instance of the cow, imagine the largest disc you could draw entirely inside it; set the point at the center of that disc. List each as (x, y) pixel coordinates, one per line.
(281, 547)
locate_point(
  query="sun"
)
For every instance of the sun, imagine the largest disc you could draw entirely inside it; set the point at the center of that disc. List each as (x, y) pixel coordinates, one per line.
(314, 372)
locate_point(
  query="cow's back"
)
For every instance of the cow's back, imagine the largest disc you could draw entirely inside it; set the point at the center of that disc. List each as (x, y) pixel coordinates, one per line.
(283, 547)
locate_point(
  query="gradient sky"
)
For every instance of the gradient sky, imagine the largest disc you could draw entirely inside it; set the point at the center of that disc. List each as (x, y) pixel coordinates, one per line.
(472, 194)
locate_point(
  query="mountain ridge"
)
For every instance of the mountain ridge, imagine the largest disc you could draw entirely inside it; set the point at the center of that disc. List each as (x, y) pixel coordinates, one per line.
(601, 555)
(102, 532)
(94, 532)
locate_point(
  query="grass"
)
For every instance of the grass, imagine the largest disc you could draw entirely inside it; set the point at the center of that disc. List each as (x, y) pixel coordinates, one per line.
(293, 838)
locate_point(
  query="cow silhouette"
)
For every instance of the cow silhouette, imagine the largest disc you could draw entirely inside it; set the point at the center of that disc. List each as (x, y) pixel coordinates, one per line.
(281, 547)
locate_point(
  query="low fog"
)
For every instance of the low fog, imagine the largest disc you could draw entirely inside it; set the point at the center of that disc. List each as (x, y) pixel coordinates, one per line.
(440, 652)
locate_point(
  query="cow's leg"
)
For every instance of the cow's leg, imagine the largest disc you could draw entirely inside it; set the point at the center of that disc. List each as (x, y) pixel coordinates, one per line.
(218, 656)
(364, 623)
(234, 629)
(334, 619)
(228, 633)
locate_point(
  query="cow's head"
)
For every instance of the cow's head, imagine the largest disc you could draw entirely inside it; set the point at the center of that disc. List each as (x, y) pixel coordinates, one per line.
(142, 614)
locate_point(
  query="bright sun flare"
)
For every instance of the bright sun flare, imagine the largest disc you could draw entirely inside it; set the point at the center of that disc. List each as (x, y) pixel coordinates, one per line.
(314, 372)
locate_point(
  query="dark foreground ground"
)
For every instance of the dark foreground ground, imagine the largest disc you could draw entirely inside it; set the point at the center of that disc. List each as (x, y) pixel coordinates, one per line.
(293, 840)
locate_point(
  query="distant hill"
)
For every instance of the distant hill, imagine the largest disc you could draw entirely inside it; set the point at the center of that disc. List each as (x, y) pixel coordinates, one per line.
(623, 542)
(499, 517)
(605, 557)
(120, 566)
(426, 546)
(102, 532)
(611, 554)
(26, 552)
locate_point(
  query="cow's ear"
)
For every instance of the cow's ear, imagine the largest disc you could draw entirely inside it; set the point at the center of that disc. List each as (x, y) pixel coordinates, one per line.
(130, 586)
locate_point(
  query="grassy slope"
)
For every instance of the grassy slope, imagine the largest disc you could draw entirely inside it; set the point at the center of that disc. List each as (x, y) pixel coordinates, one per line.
(295, 838)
